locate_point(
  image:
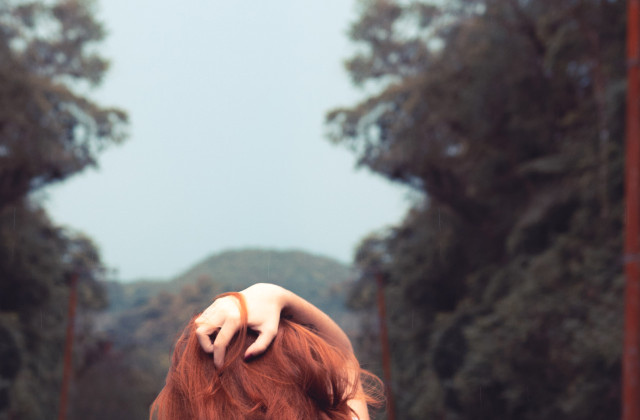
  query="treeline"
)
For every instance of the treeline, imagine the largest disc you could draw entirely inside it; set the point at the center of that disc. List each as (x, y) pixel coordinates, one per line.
(504, 283)
(48, 132)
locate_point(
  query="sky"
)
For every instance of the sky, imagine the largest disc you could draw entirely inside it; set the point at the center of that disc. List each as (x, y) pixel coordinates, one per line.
(227, 146)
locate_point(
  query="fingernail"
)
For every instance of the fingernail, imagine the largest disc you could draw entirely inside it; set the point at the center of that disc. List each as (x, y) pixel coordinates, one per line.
(248, 356)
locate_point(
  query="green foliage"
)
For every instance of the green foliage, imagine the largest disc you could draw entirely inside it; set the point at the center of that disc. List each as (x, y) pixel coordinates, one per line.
(48, 131)
(36, 262)
(503, 286)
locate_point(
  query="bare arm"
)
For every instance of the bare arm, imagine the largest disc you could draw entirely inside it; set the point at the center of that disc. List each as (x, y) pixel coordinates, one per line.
(265, 304)
(305, 313)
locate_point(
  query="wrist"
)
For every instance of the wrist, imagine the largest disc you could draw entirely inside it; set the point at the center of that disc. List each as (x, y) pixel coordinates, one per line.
(268, 292)
(286, 300)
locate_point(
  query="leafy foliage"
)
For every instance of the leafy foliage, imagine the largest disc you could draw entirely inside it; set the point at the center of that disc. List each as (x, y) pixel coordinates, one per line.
(48, 131)
(503, 286)
(36, 263)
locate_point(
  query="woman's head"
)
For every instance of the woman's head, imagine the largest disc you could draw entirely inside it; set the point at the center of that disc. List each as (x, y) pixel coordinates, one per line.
(300, 376)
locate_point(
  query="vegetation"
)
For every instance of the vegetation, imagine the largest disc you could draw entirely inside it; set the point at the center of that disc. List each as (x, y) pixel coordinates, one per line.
(48, 132)
(504, 283)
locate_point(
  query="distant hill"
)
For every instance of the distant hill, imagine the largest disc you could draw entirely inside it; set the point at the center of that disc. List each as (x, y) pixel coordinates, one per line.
(292, 269)
(320, 280)
(316, 278)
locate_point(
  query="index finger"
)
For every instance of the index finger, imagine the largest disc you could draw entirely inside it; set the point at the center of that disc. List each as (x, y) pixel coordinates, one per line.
(203, 333)
(266, 334)
(222, 340)
(205, 327)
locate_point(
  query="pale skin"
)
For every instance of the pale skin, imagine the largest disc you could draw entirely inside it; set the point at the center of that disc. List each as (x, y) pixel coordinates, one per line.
(265, 303)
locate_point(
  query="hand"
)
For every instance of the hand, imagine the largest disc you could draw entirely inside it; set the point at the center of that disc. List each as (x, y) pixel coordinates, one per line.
(264, 304)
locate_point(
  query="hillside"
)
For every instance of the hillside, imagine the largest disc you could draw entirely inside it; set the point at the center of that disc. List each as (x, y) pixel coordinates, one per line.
(316, 278)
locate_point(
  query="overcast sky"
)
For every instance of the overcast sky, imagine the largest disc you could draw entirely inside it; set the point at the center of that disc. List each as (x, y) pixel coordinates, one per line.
(226, 148)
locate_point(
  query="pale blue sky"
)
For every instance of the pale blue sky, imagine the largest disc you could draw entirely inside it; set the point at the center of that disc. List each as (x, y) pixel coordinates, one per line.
(227, 147)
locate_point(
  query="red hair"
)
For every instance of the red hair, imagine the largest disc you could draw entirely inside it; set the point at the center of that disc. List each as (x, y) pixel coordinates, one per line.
(300, 376)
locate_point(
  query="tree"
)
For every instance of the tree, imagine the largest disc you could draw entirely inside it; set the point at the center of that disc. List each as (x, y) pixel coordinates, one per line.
(49, 130)
(503, 284)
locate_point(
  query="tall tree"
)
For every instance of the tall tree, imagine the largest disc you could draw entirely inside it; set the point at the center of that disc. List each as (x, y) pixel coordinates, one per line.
(49, 130)
(504, 283)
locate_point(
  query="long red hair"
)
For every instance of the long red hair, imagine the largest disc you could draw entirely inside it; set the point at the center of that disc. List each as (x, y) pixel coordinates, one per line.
(300, 376)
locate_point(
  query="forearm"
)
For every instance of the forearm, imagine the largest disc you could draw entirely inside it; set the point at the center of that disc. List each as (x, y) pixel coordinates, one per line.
(306, 313)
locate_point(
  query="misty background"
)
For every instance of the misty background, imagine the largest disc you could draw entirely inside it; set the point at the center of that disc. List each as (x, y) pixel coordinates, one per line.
(227, 147)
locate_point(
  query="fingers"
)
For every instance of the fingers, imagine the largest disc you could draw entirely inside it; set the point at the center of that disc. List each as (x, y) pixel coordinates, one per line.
(222, 340)
(203, 333)
(205, 327)
(224, 316)
(267, 334)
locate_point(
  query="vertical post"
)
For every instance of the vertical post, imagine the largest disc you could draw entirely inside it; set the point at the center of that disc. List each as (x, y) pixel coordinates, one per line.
(68, 347)
(630, 358)
(386, 354)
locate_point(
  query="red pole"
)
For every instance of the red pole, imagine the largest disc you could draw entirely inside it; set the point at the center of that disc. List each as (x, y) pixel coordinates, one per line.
(68, 347)
(630, 359)
(386, 354)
